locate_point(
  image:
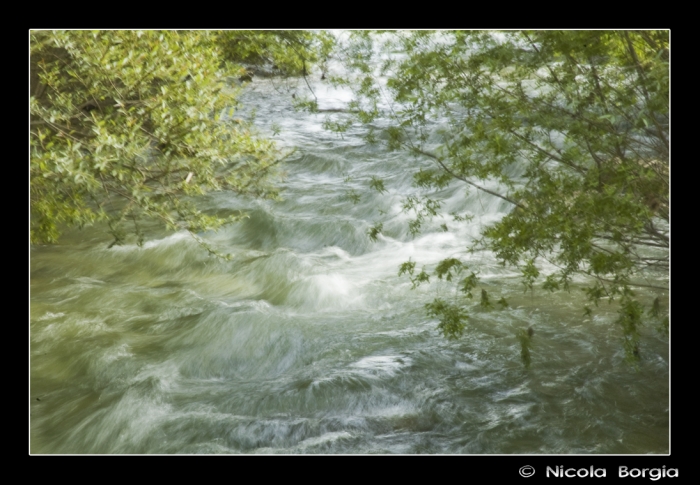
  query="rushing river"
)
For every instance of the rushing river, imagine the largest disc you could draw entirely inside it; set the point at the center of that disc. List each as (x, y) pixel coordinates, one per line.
(308, 341)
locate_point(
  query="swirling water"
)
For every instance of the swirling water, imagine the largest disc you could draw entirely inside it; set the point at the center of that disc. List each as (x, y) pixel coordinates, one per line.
(309, 342)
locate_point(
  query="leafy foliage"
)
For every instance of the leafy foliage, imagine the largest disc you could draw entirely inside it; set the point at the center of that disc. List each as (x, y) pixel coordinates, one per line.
(485, 301)
(573, 129)
(377, 184)
(451, 316)
(525, 339)
(374, 231)
(448, 268)
(289, 52)
(127, 125)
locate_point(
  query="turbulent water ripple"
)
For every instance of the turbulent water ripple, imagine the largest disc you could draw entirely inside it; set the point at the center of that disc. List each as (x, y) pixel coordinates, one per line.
(307, 341)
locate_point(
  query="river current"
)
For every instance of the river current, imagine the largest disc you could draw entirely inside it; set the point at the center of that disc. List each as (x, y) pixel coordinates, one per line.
(308, 341)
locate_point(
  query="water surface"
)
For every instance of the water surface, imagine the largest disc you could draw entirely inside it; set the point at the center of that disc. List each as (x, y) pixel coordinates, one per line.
(309, 342)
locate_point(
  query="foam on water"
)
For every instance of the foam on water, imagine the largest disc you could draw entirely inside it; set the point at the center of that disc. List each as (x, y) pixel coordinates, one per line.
(308, 341)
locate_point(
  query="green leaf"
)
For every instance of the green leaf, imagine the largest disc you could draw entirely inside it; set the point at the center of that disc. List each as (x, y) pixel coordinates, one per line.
(374, 231)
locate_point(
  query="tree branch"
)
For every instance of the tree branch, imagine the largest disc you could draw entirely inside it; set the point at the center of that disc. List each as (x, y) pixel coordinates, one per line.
(458, 177)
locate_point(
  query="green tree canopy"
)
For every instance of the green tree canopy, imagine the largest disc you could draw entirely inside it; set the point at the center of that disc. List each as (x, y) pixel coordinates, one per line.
(289, 52)
(572, 126)
(127, 125)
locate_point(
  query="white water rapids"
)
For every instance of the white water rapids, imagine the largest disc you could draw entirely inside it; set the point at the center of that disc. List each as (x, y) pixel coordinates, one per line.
(308, 341)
